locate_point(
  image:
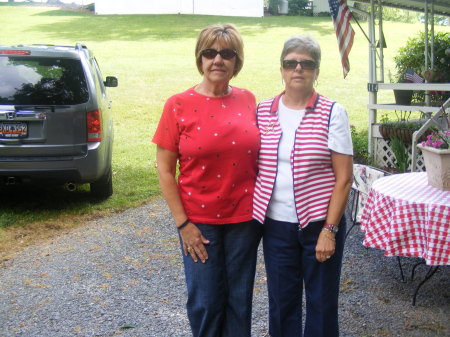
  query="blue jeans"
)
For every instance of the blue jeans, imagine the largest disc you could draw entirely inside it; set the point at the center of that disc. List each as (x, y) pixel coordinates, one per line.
(220, 291)
(290, 260)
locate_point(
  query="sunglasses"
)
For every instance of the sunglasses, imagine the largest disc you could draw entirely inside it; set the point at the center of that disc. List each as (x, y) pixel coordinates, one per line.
(226, 54)
(305, 64)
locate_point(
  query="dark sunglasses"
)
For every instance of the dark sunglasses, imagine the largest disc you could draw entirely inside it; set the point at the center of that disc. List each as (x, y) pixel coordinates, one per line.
(305, 64)
(226, 54)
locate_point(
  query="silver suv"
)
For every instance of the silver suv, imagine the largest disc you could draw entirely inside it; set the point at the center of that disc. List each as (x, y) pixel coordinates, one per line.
(55, 118)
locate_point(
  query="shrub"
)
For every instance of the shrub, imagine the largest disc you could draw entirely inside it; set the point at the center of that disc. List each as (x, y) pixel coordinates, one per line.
(401, 154)
(323, 14)
(300, 7)
(360, 146)
(412, 56)
(90, 7)
(273, 7)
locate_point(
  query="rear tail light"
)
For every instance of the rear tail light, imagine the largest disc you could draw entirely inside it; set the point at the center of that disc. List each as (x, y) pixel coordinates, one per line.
(15, 52)
(94, 126)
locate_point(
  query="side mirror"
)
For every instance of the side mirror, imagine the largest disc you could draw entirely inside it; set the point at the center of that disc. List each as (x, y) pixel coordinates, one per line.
(111, 81)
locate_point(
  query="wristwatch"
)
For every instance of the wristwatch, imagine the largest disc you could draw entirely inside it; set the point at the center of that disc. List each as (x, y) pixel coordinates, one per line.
(332, 228)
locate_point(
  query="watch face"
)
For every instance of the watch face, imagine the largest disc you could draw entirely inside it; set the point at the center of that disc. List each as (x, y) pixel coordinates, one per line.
(332, 228)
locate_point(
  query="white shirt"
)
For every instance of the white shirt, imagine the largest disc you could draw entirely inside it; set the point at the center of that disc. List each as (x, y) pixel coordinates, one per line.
(282, 204)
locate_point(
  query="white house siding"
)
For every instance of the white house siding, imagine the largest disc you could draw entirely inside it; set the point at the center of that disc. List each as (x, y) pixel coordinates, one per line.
(253, 8)
(230, 7)
(137, 6)
(321, 6)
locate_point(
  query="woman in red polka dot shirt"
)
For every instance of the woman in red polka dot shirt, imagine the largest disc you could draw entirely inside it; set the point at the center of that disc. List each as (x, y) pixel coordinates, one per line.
(210, 131)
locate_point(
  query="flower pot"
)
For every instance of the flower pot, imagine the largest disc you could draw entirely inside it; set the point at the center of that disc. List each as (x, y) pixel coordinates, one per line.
(389, 132)
(437, 164)
(403, 97)
(403, 132)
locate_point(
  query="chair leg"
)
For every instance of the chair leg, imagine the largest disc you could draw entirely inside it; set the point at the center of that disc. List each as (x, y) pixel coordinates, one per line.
(353, 213)
(355, 207)
(348, 231)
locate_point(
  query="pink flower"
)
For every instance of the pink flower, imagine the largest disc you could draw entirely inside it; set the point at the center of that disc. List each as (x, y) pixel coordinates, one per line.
(438, 140)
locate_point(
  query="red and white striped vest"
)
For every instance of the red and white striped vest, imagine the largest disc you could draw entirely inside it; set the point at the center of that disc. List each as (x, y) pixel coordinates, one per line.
(313, 175)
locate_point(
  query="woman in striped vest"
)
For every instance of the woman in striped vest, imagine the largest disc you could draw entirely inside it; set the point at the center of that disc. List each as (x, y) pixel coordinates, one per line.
(305, 175)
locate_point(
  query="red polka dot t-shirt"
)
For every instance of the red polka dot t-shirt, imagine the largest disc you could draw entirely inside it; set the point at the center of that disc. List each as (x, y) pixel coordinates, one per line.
(217, 142)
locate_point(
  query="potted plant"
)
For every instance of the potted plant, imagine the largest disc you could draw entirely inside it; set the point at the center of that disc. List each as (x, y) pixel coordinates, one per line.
(402, 97)
(436, 154)
(402, 128)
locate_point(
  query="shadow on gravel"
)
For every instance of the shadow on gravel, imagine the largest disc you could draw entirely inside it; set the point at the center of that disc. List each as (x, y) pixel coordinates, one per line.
(24, 204)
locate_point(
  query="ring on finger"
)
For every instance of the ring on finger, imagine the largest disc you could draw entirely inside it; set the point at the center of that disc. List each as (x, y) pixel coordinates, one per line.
(328, 256)
(189, 249)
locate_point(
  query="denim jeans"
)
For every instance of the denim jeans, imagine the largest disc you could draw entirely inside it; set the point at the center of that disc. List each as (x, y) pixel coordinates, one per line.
(290, 259)
(220, 291)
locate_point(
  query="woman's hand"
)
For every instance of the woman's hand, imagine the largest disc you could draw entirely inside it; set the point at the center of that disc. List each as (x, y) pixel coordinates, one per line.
(343, 171)
(194, 242)
(326, 245)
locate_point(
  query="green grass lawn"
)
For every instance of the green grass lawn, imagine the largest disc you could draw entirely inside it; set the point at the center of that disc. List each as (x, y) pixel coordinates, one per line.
(153, 57)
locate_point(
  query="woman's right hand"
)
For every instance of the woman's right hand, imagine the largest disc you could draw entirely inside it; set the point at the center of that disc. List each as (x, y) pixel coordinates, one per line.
(194, 242)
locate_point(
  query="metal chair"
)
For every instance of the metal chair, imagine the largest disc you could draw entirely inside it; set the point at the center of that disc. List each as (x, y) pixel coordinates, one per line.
(363, 178)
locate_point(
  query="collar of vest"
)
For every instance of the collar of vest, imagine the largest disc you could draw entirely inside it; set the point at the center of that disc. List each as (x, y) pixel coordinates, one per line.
(311, 103)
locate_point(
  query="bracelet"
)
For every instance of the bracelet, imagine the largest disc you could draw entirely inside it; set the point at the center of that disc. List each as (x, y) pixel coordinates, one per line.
(332, 228)
(184, 224)
(332, 238)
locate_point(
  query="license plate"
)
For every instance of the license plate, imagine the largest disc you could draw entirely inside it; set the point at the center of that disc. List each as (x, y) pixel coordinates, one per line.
(13, 129)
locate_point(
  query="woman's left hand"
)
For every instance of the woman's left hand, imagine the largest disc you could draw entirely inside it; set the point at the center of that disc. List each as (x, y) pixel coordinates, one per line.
(326, 245)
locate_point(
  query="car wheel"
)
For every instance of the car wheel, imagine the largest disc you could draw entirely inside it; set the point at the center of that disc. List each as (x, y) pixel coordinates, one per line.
(102, 188)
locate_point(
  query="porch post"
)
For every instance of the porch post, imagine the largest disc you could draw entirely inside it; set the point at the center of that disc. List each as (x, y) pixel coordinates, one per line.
(372, 87)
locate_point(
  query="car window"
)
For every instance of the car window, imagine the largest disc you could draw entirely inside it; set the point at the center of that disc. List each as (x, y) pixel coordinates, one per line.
(41, 81)
(99, 76)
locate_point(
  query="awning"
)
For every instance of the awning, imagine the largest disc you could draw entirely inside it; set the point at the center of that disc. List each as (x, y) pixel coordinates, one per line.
(441, 7)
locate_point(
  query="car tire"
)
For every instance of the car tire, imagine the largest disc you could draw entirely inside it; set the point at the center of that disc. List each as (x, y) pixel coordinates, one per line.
(103, 188)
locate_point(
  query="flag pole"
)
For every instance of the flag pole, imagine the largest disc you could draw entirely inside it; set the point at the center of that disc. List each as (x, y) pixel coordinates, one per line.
(357, 22)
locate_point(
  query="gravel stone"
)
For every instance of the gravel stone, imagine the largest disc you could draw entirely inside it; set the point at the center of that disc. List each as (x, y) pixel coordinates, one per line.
(122, 275)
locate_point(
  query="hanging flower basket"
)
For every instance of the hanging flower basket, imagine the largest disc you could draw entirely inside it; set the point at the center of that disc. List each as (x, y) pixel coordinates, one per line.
(437, 164)
(401, 130)
(389, 132)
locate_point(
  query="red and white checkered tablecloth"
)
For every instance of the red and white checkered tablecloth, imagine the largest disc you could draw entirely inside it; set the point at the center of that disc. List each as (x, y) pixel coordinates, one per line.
(404, 216)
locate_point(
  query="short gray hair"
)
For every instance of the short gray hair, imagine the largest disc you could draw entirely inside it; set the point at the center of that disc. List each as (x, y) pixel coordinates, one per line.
(303, 44)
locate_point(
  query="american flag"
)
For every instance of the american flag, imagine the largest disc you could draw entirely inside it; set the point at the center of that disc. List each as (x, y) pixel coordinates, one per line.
(412, 77)
(344, 32)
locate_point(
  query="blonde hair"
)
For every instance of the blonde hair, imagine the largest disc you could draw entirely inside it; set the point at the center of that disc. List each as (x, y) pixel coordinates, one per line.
(227, 35)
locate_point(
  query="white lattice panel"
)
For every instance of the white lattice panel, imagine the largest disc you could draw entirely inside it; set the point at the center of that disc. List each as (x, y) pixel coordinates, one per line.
(384, 156)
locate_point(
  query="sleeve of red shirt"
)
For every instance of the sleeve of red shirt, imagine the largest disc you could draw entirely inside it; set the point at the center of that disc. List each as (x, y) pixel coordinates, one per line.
(167, 134)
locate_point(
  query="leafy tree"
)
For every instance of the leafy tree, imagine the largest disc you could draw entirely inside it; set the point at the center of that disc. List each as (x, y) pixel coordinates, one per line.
(300, 7)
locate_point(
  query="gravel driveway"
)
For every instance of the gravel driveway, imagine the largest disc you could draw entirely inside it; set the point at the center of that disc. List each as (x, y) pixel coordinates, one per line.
(122, 275)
